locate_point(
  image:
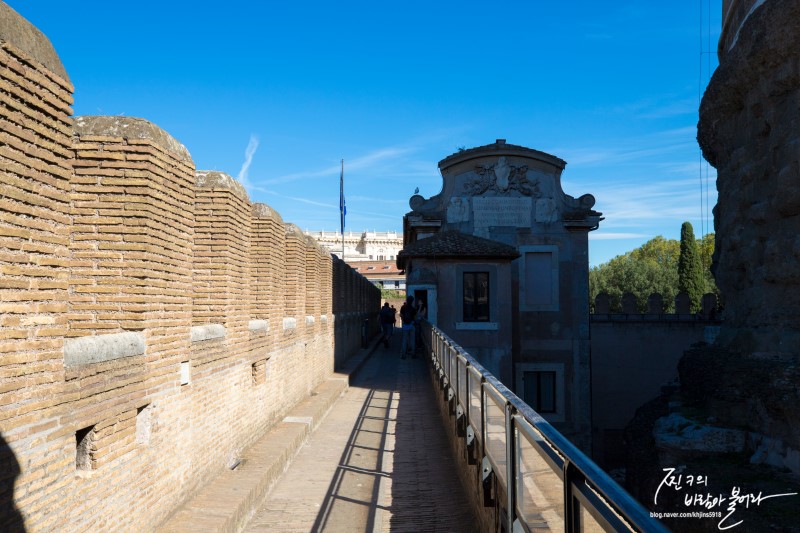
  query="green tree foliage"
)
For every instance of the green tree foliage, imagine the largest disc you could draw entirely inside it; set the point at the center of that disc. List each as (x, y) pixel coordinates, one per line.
(706, 248)
(690, 270)
(391, 294)
(646, 270)
(651, 268)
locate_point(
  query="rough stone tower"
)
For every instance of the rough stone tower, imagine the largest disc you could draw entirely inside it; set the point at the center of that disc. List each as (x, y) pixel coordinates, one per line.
(749, 131)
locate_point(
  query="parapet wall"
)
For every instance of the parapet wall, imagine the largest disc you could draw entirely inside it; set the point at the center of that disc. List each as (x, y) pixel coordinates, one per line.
(634, 355)
(153, 321)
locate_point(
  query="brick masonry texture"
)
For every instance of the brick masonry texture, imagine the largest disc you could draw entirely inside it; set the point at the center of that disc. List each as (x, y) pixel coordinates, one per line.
(110, 239)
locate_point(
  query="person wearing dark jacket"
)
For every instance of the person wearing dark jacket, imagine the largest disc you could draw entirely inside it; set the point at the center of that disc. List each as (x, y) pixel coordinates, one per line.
(407, 315)
(387, 323)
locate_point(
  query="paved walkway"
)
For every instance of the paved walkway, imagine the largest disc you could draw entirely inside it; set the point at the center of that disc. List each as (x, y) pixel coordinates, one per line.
(379, 461)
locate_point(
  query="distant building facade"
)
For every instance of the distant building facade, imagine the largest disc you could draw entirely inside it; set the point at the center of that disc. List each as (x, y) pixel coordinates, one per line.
(364, 246)
(500, 255)
(371, 253)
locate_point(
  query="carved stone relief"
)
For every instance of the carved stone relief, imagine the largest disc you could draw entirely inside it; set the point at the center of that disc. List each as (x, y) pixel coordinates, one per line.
(458, 209)
(502, 178)
(546, 210)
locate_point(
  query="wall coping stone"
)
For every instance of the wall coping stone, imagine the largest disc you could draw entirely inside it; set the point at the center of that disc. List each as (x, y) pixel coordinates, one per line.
(212, 179)
(131, 128)
(100, 348)
(262, 210)
(650, 317)
(307, 420)
(15, 29)
(293, 228)
(207, 332)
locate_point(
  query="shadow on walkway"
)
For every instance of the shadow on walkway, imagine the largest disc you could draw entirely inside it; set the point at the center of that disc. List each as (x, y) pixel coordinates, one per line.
(396, 472)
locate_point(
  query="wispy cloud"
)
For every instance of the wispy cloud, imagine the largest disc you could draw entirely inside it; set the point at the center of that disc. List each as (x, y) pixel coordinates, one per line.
(375, 214)
(670, 108)
(378, 156)
(374, 200)
(639, 205)
(249, 152)
(362, 163)
(644, 148)
(296, 198)
(656, 107)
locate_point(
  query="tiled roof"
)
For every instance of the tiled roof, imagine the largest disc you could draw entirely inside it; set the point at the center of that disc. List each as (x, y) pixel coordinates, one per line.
(454, 244)
(375, 268)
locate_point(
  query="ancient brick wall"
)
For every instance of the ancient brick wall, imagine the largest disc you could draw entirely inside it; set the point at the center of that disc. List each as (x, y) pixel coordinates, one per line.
(353, 292)
(153, 322)
(268, 260)
(35, 169)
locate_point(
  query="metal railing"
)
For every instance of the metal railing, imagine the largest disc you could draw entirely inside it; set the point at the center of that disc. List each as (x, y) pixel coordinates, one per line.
(542, 480)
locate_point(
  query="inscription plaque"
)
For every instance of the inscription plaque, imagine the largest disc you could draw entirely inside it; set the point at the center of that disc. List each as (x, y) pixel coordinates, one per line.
(494, 211)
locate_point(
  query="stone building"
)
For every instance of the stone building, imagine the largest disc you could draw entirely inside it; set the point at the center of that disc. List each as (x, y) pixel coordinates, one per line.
(500, 255)
(364, 246)
(382, 274)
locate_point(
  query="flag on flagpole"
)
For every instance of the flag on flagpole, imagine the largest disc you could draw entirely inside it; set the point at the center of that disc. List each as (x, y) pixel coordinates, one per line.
(342, 206)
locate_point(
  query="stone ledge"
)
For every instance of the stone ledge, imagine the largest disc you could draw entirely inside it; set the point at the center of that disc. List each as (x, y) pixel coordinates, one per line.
(289, 323)
(207, 332)
(258, 326)
(478, 326)
(227, 502)
(101, 348)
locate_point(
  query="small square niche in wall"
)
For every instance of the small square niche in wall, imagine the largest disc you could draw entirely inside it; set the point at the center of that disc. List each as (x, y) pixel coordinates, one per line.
(144, 424)
(259, 372)
(85, 449)
(186, 372)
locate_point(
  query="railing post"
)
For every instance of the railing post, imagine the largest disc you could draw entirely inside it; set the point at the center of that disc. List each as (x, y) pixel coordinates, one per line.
(511, 485)
(483, 418)
(572, 514)
(584, 484)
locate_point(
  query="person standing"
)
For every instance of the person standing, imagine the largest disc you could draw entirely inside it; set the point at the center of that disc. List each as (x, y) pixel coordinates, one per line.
(407, 314)
(387, 323)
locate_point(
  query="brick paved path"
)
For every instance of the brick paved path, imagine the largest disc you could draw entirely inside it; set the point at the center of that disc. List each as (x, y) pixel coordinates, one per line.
(379, 462)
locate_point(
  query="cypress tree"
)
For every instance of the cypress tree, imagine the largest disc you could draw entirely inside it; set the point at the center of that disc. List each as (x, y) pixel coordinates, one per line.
(690, 271)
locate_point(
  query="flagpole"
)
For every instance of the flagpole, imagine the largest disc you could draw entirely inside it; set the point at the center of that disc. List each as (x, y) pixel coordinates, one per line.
(342, 208)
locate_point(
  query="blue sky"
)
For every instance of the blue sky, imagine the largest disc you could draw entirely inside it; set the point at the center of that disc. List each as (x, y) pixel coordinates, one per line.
(277, 93)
